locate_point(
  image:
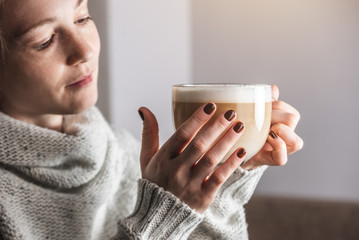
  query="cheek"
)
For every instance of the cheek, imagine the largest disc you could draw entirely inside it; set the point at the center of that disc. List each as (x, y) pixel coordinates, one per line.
(32, 77)
(94, 39)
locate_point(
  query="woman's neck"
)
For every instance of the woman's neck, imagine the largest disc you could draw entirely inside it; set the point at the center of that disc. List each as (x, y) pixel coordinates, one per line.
(50, 121)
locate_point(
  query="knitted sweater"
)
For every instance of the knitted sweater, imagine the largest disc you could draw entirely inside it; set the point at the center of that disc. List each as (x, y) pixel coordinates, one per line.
(85, 184)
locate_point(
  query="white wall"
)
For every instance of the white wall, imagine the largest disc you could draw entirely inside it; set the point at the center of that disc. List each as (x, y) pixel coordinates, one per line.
(99, 12)
(310, 49)
(150, 51)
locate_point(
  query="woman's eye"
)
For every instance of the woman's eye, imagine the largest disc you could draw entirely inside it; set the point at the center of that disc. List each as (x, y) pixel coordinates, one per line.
(46, 44)
(83, 21)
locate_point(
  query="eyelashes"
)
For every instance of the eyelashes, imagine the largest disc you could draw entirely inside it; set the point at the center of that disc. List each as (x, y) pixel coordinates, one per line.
(49, 42)
(84, 20)
(46, 44)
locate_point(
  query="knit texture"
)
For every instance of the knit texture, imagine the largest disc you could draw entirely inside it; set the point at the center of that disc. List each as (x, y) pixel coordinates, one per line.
(156, 206)
(83, 184)
(76, 185)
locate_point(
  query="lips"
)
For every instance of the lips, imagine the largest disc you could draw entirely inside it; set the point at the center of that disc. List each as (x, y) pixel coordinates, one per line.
(82, 81)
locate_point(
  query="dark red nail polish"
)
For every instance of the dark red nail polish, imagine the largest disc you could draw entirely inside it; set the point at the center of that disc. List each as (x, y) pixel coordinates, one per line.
(238, 127)
(273, 135)
(209, 108)
(229, 115)
(241, 152)
(141, 115)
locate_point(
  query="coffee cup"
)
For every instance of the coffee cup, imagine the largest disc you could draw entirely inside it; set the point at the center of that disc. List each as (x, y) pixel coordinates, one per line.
(252, 103)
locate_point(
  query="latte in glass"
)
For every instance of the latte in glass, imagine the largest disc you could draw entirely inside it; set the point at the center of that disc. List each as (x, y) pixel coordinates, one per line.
(252, 103)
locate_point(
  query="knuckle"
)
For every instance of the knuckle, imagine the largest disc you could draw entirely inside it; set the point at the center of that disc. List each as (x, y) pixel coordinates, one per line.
(281, 162)
(198, 145)
(299, 144)
(222, 123)
(298, 116)
(209, 161)
(277, 128)
(199, 119)
(217, 178)
(291, 119)
(234, 163)
(279, 104)
(181, 135)
(147, 132)
(175, 180)
(283, 146)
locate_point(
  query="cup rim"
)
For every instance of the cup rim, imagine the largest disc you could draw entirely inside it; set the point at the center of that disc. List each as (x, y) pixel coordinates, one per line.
(240, 85)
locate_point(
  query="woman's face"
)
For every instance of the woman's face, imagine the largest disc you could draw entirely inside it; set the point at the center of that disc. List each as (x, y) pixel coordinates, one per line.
(52, 61)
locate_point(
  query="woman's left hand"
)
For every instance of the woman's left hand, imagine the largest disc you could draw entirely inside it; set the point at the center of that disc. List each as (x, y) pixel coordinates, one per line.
(282, 140)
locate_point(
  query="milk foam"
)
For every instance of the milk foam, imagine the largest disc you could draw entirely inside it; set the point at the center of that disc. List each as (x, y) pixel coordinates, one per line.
(222, 93)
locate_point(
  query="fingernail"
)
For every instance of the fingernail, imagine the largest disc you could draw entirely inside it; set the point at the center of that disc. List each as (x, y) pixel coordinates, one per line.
(273, 135)
(209, 108)
(229, 115)
(141, 115)
(241, 152)
(238, 127)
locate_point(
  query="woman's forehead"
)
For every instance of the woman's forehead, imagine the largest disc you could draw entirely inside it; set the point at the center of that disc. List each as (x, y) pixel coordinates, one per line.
(20, 15)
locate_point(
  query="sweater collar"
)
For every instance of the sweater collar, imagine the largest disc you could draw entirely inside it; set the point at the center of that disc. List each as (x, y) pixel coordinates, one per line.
(51, 158)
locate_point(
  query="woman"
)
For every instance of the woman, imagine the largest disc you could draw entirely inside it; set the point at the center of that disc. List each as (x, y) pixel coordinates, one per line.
(65, 174)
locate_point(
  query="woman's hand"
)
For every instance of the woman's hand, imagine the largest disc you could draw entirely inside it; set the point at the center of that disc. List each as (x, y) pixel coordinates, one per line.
(282, 139)
(184, 164)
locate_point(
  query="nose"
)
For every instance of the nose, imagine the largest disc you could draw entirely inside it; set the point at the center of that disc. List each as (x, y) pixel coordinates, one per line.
(79, 49)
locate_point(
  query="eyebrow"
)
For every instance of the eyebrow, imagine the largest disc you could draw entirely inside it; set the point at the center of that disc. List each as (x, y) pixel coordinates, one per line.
(21, 33)
(78, 3)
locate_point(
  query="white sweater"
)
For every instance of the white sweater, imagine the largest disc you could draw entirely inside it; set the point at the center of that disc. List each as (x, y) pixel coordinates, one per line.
(85, 184)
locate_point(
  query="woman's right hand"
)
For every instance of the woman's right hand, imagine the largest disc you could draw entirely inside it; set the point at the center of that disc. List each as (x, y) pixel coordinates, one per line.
(186, 165)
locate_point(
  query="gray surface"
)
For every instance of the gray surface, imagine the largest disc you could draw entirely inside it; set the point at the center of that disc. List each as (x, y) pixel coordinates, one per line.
(273, 218)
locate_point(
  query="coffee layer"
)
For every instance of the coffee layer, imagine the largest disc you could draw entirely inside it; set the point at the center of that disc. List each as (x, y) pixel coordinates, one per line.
(255, 116)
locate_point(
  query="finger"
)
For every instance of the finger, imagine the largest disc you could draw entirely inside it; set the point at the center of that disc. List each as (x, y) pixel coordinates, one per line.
(150, 139)
(186, 132)
(293, 142)
(279, 154)
(281, 105)
(277, 157)
(275, 92)
(211, 159)
(223, 172)
(207, 137)
(287, 118)
(285, 107)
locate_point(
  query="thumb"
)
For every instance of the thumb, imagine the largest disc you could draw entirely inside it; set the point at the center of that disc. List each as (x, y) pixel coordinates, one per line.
(150, 139)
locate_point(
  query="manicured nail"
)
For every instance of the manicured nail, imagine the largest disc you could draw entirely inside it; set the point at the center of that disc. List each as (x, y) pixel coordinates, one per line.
(273, 135)
(241, 152)
(141, 115)
(229, 115)
(238, 127)
(209, 108)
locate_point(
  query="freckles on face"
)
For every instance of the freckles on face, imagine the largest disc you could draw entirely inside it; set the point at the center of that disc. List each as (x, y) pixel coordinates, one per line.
(48, 58)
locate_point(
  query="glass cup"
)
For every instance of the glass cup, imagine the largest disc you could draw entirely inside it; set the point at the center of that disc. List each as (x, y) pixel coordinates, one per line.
(252, 103)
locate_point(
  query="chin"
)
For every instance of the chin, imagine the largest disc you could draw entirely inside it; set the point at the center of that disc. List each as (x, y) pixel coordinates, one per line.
(83, 104)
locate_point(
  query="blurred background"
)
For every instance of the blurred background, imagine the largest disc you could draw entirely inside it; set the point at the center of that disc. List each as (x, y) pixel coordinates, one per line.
(309, 48)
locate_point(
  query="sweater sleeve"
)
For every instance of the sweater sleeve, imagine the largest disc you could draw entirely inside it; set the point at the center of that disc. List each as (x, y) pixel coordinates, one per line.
(158, 215)
(225, 219)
